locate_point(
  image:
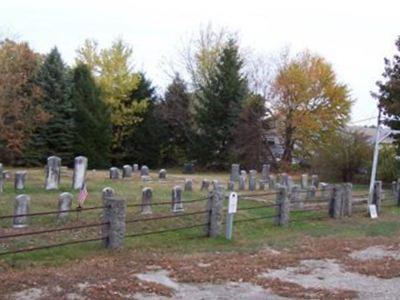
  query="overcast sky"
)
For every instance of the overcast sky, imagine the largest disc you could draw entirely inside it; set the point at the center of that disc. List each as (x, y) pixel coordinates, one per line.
(354, 36)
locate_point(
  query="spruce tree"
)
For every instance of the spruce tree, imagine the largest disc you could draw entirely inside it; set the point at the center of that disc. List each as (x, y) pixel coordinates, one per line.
(56, 137)
(93, 134)
(220, 102)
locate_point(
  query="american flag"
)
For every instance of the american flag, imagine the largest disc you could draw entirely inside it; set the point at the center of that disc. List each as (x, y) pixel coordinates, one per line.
(83, 193)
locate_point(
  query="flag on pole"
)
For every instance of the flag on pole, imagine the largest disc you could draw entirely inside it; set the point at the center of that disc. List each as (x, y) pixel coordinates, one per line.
(83, 194)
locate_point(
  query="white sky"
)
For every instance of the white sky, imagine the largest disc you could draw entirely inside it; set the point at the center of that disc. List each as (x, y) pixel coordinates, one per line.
(354, 36)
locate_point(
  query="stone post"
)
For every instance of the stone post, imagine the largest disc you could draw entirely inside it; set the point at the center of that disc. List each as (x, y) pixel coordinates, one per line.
(147, 196)
(127, 171)
(295, 197)
(242, 183)
(162, 174)
(252, 180)
(265, 172)
(80, 166)
(188, 185)
(21, 207)
(283, 206)
(235, 168)
(144, 170)
(114, 173)
(107, 192)
(64, 203)
(205, 184)
(231, 186)
(347, 199)
(53, 172)
(304, 181)
(1, 178)
(244, 174)
(377, 195)
(314, 180)
(335, 203)
(114, 213)
(214, 212)
(19, 183)
(176, 197)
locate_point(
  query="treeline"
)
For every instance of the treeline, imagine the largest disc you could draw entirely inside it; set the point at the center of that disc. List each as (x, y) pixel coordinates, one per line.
(224, 111)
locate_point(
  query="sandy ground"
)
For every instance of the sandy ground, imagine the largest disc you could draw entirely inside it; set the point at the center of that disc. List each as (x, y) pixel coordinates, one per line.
(315, 269)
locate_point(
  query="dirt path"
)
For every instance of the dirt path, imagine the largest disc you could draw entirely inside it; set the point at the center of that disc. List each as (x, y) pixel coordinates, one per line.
(315, 269)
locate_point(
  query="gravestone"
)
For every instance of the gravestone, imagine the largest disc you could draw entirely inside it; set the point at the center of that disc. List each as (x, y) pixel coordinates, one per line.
(290, 182)
(147, 195)
(145, 178)
(265, 172)
(244, 174)
(80, 167)
(162, 174)
(295, 197)
(127, 171)
(271, 181)
(188, 168)
(64, 203)
(53, 172)
(135, 168)
(1, 178)
(262, 184)
(242, 183)
(235, 168)
(21, 207)
(19, 183)
(114, 173)
(176, 196)
(284, 179)
(252, 180)
(325, 190)
(311, 192)
(188, 185)
(314, 180)
(304, 181)
(144, 170)
(205, 184)
(231, 185)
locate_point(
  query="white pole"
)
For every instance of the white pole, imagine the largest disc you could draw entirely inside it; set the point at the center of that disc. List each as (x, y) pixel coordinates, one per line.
(375, 160)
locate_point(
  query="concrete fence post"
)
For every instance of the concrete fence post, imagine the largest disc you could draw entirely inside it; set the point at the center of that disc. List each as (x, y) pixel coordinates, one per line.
(335, 202)
(377, 196)
(283, 206)
(347, 200)
(214, 212)
(114, 214)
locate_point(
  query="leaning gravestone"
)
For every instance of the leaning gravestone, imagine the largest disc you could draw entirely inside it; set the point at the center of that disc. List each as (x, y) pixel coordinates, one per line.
(147, 195)
(53, 172)
(21, 208)
(19, 183)
(127, 171)
(144, 170)
(1, 178)
(235, 169)
(188, 185)
(114, 173)
(64, 204)
(265, 172)
(176, 194)
(162, 174)
(188, 168)
(80, 166)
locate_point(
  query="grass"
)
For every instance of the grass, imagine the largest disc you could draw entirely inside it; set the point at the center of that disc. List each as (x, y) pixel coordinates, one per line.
(247, 236)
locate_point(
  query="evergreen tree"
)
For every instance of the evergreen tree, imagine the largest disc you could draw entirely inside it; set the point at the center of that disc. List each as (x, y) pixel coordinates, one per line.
(93, 134)
(56, 137)
(220, 102)
(176, 112)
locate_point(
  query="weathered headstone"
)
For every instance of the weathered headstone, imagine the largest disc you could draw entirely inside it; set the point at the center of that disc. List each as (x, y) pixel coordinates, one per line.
(144, 170)
(145, 178)
(1, 178)
(311, 193)
(147, 196)
(304, 181)
(162, 174)
(295, 197)
(262, 184)
(127, 171)
(290, 182)
(252, 180)
(6, 174)
(80, 166)
(114, 216)
(325, 190)
(314, 180)
(135, 168)
(205, 184)
(53, 172)
(114, 173)
(244, 174)
(176, 197)
(282, 206)
(271, 181)
(284, 179)
(235, 168)
(188, 185)
(188, 168)
(64, 203)
(231, 186)
(19, 183)
(242, 183)
(265, 172)
(21, 208)
(215, 184)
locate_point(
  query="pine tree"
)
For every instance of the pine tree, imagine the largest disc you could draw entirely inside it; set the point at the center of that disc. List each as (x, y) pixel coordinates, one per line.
(220, 102)
(93, 134)
(56, 137)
